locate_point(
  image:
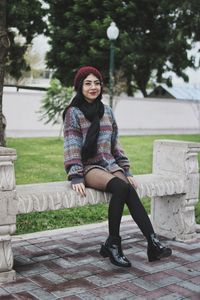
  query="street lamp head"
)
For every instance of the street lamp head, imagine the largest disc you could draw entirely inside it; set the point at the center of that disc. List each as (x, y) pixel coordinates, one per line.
(112, 31)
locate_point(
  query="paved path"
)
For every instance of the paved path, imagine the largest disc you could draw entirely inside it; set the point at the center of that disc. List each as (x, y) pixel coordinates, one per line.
(65, 264)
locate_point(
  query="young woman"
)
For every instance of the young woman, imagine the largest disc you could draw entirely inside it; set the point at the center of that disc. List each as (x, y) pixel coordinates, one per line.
(93, 158)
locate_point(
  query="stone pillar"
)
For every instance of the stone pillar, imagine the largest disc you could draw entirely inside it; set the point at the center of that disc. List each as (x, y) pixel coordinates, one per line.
(8, 211)
(174, 216)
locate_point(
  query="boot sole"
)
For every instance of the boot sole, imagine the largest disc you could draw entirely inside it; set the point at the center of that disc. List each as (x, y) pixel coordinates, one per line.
(161, 255)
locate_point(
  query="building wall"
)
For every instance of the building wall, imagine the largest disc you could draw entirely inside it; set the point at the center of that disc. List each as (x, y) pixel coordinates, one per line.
(157, 116)
(134, 116)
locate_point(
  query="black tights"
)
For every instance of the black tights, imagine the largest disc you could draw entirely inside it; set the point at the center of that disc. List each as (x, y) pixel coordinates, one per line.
(122, 193)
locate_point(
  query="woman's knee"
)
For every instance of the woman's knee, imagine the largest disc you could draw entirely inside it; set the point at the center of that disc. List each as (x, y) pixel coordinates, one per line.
(120, 175)
(118, 186)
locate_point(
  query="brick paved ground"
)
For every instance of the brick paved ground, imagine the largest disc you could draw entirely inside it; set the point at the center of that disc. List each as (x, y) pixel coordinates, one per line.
(65, 264)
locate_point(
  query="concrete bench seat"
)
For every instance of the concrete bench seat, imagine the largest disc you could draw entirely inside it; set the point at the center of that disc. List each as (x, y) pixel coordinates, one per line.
(58, 195)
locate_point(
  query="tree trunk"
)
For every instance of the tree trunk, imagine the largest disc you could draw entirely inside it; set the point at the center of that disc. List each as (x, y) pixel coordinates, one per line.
(142, 85)
(144, 92)
(4, 45)
(129, 88)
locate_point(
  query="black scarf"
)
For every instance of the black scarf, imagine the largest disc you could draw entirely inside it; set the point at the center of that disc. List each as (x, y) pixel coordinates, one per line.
(93, 112)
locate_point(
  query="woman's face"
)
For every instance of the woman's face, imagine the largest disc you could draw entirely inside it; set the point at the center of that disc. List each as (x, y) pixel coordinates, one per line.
(91, 88)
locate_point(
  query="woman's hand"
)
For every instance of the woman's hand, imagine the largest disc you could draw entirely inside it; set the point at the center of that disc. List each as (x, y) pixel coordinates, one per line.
(79, 188)
(132, 181)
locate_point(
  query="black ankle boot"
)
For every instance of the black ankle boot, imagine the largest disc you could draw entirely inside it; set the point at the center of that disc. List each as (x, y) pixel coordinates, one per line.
(156, 250)
(112, 249)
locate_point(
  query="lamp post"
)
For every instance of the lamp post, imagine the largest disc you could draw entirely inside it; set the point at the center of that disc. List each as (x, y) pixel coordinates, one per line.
(112, 34)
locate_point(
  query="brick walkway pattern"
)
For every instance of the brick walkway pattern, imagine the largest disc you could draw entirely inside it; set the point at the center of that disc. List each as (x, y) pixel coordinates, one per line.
(65, 264)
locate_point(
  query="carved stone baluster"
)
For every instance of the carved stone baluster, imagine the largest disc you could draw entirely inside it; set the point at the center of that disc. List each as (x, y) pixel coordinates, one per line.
(8, 211)
(174, 216)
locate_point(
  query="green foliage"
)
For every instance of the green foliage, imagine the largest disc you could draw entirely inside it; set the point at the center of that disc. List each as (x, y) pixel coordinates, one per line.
(55, 101)
(25, 19)
(41, 160)
(155, 37)
(77, 37)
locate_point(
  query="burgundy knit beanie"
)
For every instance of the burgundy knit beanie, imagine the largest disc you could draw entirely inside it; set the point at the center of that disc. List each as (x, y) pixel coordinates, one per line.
(83, 72)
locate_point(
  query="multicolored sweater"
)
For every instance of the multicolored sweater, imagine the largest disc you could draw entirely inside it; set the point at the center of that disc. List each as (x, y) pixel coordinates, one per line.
(75, 130)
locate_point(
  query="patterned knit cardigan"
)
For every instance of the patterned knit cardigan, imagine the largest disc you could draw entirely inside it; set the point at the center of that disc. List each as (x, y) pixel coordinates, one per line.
(75, 130)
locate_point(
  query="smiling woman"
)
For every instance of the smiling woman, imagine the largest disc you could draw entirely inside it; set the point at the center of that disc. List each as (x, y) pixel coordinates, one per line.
(91, 88)
(93, 158)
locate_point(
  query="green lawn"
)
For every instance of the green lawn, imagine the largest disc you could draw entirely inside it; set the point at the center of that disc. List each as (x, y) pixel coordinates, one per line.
(41, 160)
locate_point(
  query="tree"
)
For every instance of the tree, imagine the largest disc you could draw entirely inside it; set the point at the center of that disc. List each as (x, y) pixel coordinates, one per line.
(154, 44)
(25, 19)
(4, 45)
(77, 37)
(155, 36)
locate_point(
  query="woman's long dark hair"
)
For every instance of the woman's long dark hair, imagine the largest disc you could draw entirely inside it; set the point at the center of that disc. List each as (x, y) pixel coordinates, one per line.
(93, 112)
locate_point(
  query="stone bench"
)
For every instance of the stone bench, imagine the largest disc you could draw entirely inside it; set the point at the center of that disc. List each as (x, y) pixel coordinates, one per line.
(173, 188)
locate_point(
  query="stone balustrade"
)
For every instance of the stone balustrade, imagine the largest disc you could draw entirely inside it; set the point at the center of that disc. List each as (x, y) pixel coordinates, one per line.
(8, 212)
(173, 188)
